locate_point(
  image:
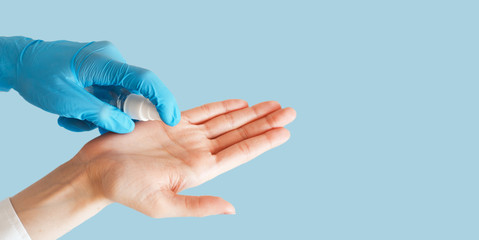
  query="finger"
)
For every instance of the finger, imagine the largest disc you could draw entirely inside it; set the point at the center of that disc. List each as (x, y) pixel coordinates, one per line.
(229, 121)
(103, 131)
(197, 206)
(246, 150)
(84, 106)
(75, 125)
(104, 71)
(279, 118)
(205, 112)
(110, 119)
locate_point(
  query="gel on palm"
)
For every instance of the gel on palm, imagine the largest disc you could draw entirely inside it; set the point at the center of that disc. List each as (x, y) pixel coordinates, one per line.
(136, 106)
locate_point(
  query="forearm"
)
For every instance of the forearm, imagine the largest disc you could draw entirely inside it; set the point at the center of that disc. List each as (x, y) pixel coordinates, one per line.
(10, 50)
(58, 202)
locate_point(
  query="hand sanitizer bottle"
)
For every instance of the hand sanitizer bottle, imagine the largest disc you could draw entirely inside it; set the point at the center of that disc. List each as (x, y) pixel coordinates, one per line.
(136, 106)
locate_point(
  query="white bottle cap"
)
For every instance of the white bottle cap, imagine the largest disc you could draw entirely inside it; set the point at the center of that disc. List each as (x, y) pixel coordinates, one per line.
(140, 108)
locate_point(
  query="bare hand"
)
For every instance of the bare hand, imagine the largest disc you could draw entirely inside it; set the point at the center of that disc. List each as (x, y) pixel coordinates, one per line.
(146, 169)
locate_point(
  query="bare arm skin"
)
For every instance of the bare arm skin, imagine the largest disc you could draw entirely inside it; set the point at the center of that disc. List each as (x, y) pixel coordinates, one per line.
(148, 168)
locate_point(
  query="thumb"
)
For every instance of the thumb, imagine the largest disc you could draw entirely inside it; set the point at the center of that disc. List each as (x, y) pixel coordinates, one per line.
(198, 206)
(109, 118)
(84, 106)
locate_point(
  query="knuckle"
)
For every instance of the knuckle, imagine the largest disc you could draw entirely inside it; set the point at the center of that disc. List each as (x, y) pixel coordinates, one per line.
(207, 129)
(229, 120)
(214, 146)
(225, 105)
(269, 140)
(145, 81)
(191, 204)
(103, 47)
(148, 80)
(206, 109)
(275, 103)
(245, 148)
(146, 74)
(271, 121)
(243, 133)
(120, 72)
(255, 111)
(105, 44)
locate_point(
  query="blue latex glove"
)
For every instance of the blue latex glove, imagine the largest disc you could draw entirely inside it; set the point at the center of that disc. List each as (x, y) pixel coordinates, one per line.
(53, 75)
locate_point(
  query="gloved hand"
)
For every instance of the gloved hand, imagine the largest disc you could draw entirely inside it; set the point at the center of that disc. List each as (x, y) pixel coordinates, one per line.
(53, 75)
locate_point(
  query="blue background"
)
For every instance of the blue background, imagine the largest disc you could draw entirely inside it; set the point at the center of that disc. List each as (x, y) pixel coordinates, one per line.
(385, 145)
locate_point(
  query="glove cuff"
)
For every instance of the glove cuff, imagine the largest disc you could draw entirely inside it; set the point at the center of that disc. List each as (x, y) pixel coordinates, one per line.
(10, 50)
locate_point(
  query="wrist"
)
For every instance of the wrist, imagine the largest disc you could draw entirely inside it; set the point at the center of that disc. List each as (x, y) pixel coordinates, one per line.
(59, 202)
(10, 51)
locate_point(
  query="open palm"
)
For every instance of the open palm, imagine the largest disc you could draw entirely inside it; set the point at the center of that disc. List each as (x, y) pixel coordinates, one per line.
(146, 169)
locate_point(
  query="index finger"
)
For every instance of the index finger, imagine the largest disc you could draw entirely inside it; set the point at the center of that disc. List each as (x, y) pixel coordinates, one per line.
(208, 111)
(249, 149)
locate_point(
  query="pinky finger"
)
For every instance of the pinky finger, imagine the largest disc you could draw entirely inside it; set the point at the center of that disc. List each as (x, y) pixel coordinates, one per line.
(248, 149)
